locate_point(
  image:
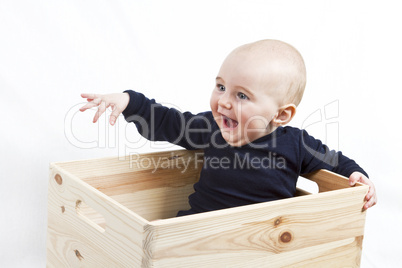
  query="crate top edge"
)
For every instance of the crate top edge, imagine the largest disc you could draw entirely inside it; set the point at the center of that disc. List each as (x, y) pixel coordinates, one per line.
(258, 206)
(125, 157)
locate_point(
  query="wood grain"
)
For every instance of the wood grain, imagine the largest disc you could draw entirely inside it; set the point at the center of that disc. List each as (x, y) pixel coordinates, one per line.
(268, 229)
(76, 241)
(110, 212)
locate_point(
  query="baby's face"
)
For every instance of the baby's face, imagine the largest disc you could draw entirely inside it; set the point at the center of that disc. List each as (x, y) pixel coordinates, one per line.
(246, 98)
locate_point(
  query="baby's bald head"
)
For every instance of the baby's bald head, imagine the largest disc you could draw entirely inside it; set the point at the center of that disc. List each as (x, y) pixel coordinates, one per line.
(286, 62)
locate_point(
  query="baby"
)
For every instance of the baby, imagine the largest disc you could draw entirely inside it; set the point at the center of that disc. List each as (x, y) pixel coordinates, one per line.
(249, 155)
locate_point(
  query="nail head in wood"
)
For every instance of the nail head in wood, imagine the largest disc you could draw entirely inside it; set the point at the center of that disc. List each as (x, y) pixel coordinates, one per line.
(58, 179)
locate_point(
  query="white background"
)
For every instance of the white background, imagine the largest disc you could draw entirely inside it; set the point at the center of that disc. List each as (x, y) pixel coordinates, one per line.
(51, 51)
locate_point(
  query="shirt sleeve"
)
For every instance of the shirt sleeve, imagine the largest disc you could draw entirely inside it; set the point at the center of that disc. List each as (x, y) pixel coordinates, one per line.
(156, 122)
(316, 155)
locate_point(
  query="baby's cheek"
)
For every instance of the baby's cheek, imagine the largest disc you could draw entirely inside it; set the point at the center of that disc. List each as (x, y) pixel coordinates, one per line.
(254, 122)
(213, 101)
(255, 127)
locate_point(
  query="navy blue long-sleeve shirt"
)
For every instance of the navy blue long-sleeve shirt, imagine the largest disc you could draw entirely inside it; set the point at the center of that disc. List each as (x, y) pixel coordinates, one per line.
(266, 169)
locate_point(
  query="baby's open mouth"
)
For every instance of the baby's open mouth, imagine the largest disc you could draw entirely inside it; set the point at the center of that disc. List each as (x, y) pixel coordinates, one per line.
(229, 123)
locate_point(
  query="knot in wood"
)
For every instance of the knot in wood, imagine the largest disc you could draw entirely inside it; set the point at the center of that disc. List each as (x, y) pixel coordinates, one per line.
(277, 222)
(58, 179)
(78, 254)
(286, 237)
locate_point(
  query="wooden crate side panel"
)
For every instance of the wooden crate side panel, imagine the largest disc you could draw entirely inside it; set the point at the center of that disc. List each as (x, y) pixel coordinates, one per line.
(158, 203)
(68, 248)
(150, 165)
(346, 255)
(138, 181)
(341, 253)
(301, 192)
(155, 185)
(73, 240)
(328, 181)
(151, 198)
(258, 231)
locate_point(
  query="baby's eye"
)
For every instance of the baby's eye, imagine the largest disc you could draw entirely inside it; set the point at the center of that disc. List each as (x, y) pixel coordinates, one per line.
(221, 87)
(242, 96)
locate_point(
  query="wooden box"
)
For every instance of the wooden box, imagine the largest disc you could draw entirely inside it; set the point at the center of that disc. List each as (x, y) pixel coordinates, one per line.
(121, 213)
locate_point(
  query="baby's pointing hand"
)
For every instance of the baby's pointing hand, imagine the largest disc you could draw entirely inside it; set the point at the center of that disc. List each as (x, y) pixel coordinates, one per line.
(117, 101)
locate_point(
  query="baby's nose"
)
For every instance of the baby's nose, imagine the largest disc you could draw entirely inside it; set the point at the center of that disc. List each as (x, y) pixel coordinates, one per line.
(224, 102)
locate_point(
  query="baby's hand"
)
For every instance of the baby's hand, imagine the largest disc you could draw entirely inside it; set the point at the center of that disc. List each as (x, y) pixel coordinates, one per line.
(371, 197)
(117, 101)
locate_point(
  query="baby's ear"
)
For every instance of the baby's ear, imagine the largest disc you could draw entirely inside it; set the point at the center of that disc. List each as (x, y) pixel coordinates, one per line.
(284, 115)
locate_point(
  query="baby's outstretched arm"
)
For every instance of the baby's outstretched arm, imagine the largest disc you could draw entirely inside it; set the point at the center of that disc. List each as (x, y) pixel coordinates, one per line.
(117, 101)
(371, 197)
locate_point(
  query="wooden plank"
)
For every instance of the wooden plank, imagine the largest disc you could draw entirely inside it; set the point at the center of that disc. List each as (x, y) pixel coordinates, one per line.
(328, 181)
(341, 253)
(267, 229)
(103, 167)
(75, 241)
(158, 203)
(300, 192)
(133, 182)
(346, 255)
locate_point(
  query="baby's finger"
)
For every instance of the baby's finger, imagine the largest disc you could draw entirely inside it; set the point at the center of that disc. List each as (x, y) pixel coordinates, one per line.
(101, 110)
(370, 192)
(87, 106)
(115, 114)
(90, 96)
(371, 197)
(369, 203)
(353, 179)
